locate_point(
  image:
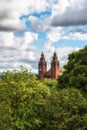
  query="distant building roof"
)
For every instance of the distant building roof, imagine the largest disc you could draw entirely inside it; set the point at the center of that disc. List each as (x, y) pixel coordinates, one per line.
(61, 70)
(48, 74)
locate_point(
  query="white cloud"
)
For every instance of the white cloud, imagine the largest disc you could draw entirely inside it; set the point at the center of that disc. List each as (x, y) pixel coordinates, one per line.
(59, 7)
(12, 10)
(27, 40)
(17, 51)
(69, 12)
(79, 36)
(54, 34)
(33, 19)
(62, 53)
(82, 36)
(7, 39)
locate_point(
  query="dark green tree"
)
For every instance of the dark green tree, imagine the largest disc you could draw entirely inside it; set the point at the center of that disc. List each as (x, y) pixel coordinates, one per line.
(75, 74)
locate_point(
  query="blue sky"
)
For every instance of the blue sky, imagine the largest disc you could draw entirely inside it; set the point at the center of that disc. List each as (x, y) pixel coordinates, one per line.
(28, 27)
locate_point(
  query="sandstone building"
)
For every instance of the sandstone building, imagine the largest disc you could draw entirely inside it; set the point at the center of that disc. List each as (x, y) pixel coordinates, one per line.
(54, 71)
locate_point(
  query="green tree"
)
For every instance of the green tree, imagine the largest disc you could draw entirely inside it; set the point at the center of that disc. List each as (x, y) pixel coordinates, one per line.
(21, 95)
(75, 74)
(29, 104)
(67, 109)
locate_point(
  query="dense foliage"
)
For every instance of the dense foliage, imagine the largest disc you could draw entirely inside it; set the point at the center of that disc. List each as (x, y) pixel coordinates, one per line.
(29, 104)
(75, 74)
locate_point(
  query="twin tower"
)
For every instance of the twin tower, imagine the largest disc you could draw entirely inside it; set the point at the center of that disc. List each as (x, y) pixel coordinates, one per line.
(53, 72)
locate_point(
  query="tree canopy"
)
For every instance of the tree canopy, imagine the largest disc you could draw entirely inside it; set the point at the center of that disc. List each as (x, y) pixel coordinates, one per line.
(75, 74)
(29, 104)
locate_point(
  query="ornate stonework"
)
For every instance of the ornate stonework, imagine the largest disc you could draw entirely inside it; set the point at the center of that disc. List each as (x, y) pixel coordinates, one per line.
(54, 71)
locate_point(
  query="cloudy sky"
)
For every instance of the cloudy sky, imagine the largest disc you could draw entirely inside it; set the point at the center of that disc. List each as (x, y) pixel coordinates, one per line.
(28, 27)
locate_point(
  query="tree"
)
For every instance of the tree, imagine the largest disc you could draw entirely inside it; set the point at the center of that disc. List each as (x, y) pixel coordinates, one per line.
(65, 110)
(75, 74)
(21, 95)
(29, 104)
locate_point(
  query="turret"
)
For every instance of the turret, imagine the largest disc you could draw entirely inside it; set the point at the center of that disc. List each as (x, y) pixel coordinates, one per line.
(55, 71)
(42, 67)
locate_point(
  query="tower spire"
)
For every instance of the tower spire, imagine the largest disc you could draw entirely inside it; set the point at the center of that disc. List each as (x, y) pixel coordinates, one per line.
(53, 73)
(42, 54)
(42, 67)
(55, 67)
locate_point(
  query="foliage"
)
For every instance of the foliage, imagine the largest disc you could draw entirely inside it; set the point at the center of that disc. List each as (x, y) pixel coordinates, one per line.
(75, 74)
(29, 104)
(20, 96)
(67, 110)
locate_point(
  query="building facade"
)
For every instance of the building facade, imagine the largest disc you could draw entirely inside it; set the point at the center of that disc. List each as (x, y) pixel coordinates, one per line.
(53, 72)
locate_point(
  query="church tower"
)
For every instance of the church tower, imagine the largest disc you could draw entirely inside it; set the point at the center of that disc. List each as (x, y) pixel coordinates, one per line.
(55, 71)
(42, 67)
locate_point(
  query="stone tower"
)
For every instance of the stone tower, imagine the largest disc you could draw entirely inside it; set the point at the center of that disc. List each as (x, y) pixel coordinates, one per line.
(42, 67)
(55, 71)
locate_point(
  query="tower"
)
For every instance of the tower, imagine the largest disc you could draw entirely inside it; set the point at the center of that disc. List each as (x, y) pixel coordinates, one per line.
(55, 71)
(42, 67)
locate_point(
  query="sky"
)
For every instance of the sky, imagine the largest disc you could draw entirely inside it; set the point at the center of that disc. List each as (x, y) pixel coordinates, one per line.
(30, 27)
